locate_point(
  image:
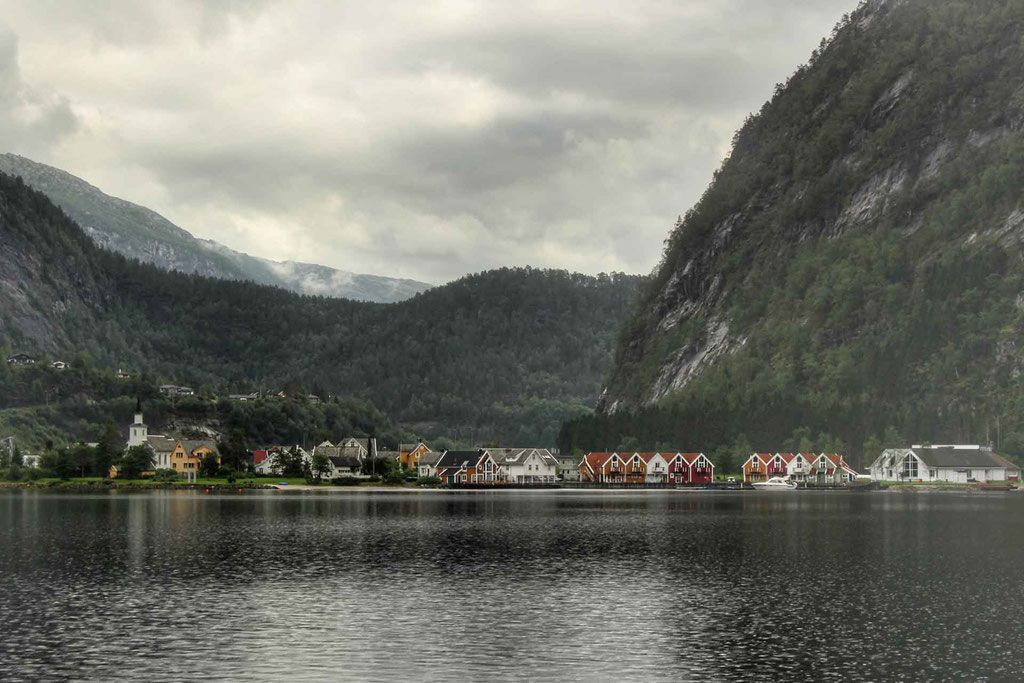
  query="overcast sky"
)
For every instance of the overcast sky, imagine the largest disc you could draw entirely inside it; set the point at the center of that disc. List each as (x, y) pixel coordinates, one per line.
(417, 139)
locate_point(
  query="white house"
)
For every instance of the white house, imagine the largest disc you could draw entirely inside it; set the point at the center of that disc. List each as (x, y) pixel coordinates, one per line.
(951, 463)
(657, 467)
(525, 465)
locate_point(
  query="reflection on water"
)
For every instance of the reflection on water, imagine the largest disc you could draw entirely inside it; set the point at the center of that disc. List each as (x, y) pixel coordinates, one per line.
(556, 585)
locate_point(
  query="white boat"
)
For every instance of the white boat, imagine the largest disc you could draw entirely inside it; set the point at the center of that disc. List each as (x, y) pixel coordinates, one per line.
(775, 484)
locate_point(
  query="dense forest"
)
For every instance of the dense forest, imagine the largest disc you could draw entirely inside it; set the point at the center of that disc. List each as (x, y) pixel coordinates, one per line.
(503, 356)
(853, 276)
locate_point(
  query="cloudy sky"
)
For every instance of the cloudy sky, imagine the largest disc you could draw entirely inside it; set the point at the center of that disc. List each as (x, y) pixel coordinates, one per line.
(420, 139)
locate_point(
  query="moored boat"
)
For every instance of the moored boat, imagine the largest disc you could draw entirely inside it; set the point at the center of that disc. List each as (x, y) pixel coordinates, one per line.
(775, 484)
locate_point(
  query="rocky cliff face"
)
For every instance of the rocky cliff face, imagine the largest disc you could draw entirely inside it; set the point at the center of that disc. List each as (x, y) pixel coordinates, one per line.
(139, 233)
(895, 154)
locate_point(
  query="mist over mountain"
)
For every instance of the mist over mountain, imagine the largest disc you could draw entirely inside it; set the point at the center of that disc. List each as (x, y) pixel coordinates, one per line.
(855, 272)
(141, 233)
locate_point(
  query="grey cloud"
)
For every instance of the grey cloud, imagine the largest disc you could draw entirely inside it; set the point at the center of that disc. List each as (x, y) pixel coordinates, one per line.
(403, 138)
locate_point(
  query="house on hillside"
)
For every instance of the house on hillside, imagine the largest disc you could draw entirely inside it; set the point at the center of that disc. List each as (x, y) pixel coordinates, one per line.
(948, 463)
(175, 390)
(244, 398)
(59, 365)
(21, 359)
(121, 374)
(525, 465)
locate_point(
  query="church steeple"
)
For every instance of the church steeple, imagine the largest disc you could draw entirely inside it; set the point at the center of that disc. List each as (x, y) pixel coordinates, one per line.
(138, 433)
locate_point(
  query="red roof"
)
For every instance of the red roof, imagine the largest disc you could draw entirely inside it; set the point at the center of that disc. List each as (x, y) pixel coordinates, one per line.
(258, 457)
(596, 460)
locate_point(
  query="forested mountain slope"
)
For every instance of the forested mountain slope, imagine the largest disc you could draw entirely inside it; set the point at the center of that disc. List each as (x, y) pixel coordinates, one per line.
(856, 267)
(141, 233)
(504, 355)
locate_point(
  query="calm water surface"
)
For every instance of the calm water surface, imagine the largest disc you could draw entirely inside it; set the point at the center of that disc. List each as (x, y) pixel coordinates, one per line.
(556, 585)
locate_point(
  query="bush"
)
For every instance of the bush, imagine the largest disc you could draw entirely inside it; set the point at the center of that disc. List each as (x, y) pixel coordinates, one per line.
(165, 475)
(13, 473)
(428, 481)
(346, 481)
(395, 477)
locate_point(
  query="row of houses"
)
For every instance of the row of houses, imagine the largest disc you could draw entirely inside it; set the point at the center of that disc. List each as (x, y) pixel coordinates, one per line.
(646, 468)
(491, 466)
(822, 469)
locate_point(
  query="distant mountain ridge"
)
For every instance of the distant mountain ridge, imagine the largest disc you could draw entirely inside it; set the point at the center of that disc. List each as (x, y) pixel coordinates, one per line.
(141, 233)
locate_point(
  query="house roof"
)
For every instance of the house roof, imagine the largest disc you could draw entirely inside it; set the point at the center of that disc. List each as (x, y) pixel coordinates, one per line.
(258, 456)
(460, 458)
(161, 444)
(190, 445)
(431, 458)
(342, 461)
(947, 456)
(596, 460)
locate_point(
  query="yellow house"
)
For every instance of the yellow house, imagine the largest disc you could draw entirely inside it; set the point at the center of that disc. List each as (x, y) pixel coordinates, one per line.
(410, 454)
(188, 455)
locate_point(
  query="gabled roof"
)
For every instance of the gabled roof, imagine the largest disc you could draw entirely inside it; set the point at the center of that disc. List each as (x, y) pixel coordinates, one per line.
(161, 444)
(786, 457)
(258, 456)
(341, 461)
(460, 458)
(691, 458)
(512, 456)
(947, 456)
(431, 458)
(190, 445)
(596, 461)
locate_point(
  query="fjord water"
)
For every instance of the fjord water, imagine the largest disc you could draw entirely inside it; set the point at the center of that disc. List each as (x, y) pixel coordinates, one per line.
(554, 585)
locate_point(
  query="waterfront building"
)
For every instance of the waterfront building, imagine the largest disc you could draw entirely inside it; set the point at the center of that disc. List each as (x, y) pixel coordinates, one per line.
(701, 469)
(655, 467)
(604, 467)
(945, 463)
(467, 467)
(756, 467)
(831, 469)
(525, 465)
(798, 466)
(568, 467)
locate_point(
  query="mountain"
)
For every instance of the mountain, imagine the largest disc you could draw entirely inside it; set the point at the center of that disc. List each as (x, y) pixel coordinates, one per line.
(854, 274)
(505, 355)
(140, 233)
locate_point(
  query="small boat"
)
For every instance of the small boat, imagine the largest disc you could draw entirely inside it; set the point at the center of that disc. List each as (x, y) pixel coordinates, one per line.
(775, 484)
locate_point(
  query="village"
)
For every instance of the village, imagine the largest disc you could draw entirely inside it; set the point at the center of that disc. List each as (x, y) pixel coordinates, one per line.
(352, 460)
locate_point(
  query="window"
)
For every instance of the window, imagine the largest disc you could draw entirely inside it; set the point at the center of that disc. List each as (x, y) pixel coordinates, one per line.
(910, 467)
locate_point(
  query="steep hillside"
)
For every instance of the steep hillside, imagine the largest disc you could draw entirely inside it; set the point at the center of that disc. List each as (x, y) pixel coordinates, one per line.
(856, 267)
(138, 232)
(504, 355)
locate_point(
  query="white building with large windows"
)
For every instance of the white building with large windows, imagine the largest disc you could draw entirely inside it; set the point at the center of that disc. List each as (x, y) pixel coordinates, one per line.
(950, 463)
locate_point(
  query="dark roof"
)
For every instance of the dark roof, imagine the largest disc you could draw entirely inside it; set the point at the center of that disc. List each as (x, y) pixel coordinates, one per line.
(340, 461)
(961, 457)
(459, 458)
